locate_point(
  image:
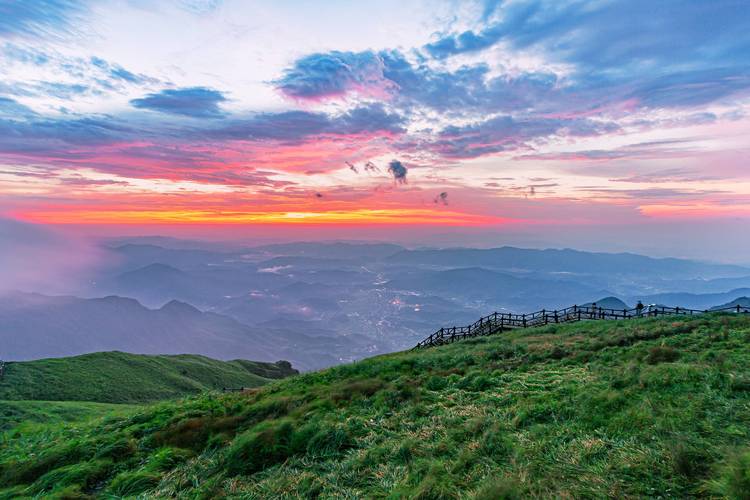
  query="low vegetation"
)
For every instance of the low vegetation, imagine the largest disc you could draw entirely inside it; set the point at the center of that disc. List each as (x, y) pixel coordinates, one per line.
(31, 413)
(118, 377)
(643, 408)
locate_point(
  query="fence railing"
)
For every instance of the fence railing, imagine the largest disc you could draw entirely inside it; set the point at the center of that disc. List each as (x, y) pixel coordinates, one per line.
(234, 389)
(498, 322)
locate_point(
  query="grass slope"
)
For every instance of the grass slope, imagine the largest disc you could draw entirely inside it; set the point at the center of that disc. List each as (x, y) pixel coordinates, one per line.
(118, 377)
(32, 413)
(642, 408)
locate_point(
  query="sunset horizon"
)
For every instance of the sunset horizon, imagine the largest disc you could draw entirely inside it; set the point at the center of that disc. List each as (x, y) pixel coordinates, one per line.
(502, 115)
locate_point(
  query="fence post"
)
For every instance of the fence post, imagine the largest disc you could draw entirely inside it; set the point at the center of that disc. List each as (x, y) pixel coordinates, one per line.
(524, 320)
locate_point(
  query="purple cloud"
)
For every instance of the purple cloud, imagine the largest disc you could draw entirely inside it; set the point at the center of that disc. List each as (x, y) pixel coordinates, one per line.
(335, 74)
(196, 102)
(614, 34)
(505, 133)
(294, 126)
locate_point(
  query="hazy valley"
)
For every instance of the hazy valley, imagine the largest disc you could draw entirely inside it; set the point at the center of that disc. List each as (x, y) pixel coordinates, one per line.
(321, 304)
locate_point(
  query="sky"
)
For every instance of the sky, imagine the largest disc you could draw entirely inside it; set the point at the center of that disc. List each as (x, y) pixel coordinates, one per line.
(614, 124)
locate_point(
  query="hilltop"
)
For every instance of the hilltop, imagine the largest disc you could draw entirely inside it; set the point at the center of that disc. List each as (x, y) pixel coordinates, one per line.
(643, 408)
(118, 377)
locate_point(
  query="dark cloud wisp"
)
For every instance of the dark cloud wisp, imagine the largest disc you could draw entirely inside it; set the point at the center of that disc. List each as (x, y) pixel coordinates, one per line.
(398, 170)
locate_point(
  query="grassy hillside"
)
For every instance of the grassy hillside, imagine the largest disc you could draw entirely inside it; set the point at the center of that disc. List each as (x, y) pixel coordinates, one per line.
(32, 413)
(118, 377)
(642, 408)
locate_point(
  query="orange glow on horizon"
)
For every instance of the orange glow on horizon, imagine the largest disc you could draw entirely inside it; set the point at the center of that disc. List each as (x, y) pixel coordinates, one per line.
(405, 216)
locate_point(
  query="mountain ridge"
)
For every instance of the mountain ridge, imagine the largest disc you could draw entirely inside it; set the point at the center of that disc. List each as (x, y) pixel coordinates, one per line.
(32, 326)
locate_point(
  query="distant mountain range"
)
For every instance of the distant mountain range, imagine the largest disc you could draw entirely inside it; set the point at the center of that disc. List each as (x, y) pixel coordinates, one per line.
(693, 300)
(321, 304)
(34, 326)
(740, 301)
(494, 287)
(566, 260)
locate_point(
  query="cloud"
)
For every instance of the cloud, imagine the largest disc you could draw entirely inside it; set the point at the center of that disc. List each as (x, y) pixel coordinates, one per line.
(44, 135)
(74, 75)
(441, 199)
(200, 7)
(11, 107)
(651, 193)
(467, 88)
(25, 55)
(62, 90)
(506, 133)
(390, 76)
(673, 54)
(489, 8)
(296, 126)
(370, 167)
(223, 151)
(671, 148)
(691, 88)
(415, 85)
(335, 74)
(116, 72)
(670, 175)
(398, 171)
(195, 102)
(613, 34)
(46, 18)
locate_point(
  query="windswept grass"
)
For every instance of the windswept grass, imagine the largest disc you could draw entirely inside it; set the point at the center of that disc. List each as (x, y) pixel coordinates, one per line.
(32, 413)
(644, 408)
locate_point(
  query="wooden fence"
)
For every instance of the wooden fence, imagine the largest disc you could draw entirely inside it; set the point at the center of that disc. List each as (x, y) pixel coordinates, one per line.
(499, 322)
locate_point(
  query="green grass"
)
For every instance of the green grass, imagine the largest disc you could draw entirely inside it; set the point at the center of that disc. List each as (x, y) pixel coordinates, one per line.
(117, 377)
(644, 408)
(28, 413)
